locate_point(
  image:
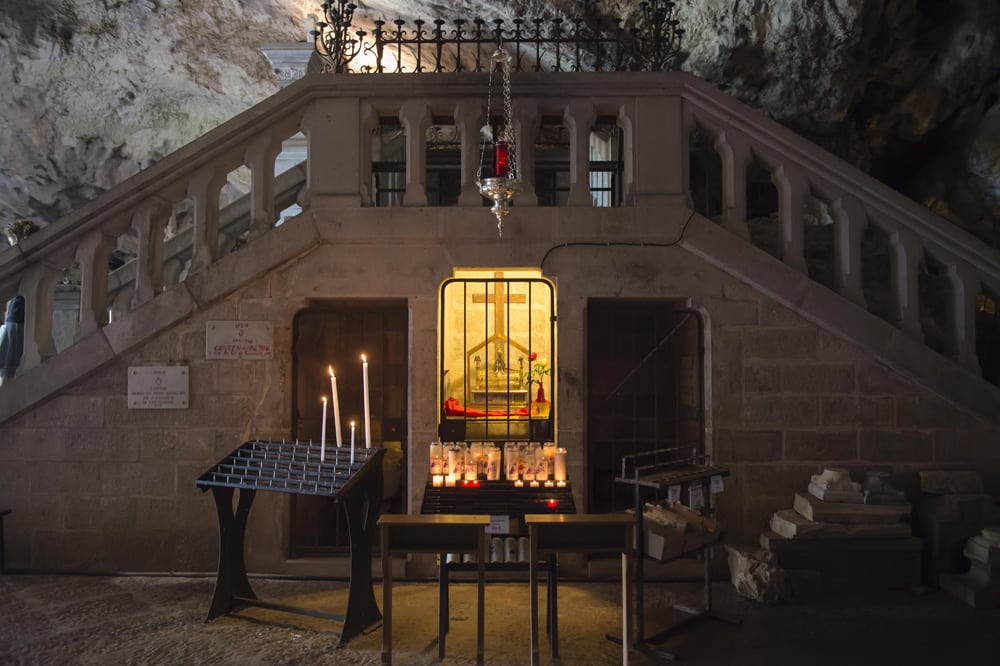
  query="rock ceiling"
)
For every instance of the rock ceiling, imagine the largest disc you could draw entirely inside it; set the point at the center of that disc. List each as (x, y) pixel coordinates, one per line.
(908, 90)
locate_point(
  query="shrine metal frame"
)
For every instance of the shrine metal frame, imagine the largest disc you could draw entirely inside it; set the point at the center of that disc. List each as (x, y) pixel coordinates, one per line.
(649, 41)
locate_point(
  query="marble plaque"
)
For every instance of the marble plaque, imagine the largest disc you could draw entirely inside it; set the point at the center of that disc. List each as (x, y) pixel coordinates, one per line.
(239, 340)
(158, 387)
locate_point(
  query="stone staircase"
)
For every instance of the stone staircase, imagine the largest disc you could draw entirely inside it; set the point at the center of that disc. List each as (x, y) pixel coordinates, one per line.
(932, 340)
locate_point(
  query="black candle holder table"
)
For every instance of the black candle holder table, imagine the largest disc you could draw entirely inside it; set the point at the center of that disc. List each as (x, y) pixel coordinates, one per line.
(352, 478)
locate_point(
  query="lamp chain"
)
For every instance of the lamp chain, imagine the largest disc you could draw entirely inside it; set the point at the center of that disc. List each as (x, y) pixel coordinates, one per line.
(508, 120)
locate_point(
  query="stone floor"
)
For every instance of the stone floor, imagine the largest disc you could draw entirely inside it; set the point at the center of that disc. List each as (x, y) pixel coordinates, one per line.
(129, 620)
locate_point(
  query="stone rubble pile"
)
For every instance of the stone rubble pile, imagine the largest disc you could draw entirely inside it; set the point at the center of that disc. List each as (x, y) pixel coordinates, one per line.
(850, 533)
(980, 587)
(952, 509)
(756, 575)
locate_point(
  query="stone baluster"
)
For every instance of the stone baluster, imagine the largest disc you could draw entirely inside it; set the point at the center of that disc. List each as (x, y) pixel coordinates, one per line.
(626, 119)
(579, 117)
(203, 190)
(527, 123)
(792, 189)
(369, 122)
(415, 116)
(469, 120)
(965, 286)
(660, 158)
(331, 127)
(734, 152)
(37, 286)
(849, 221)
(149, 222)
(906, 255)
(259, 158)
(92, 254)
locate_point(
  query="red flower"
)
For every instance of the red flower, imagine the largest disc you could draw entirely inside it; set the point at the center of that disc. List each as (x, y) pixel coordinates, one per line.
(533, 356)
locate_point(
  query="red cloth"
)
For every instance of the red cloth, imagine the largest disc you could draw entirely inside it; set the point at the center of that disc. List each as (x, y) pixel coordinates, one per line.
(452, 407)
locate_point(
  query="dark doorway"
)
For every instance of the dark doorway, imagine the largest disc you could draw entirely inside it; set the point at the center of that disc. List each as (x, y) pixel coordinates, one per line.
(644, 388)
(337, 333)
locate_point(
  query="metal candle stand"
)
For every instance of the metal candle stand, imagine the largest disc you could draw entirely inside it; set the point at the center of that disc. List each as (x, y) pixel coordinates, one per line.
(658, 470)
(351, 478)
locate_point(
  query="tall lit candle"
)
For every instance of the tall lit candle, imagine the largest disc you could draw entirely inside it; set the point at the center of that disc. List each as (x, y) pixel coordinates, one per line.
(352, 442)
(368, 415)
(560, 465)
(322, 435)
(336, 405)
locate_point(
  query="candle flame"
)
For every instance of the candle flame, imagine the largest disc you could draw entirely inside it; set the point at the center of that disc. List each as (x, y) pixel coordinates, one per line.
(352, 424)
(324, 399)
(330, 368)
(363, 359)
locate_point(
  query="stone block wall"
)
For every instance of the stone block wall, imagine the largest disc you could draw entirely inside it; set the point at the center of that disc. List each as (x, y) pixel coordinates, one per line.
(791, 398)
(96, 486)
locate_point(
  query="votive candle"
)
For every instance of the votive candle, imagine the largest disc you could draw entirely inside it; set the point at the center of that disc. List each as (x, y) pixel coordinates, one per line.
(368, 415)
(336, 405)
(560, 465)
(322, 435)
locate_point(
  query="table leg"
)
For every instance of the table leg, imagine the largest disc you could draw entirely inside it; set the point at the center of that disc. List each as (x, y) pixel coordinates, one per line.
(386, 599)
(553, 604)
(481, 592)
(231, 580)
(626, 600)
(3, 561)
(533, 586)
(442, 604)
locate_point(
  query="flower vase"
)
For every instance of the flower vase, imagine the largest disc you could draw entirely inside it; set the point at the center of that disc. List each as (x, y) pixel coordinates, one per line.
(540, 407)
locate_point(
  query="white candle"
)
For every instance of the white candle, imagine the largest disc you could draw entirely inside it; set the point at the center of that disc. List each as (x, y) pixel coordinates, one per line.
(368, 415)
(560, 484)
(322, 435)
(533, 484)
(437, 480)
(519, 484)
(352, 442)
(336, 405)
(560, 466)
(449, 481)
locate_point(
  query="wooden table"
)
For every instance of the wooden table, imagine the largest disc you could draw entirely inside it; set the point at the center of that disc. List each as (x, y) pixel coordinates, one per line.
(592, 533)
(440, 533)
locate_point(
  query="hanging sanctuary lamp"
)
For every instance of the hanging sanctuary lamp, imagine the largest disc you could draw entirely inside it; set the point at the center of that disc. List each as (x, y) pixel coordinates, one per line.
(504, 185)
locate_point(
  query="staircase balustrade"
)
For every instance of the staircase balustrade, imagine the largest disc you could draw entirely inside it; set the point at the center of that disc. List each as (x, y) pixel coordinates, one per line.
(657, 112)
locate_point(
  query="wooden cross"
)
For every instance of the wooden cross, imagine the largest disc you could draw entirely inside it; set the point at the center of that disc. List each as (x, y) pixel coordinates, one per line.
(499, 298)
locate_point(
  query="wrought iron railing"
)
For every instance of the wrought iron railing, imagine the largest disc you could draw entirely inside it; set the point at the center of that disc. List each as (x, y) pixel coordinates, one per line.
(651, 41)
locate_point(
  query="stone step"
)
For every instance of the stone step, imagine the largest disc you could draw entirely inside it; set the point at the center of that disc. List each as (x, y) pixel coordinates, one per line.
(851, 562)
(792, 525)
(819, 511)
(836, 495)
